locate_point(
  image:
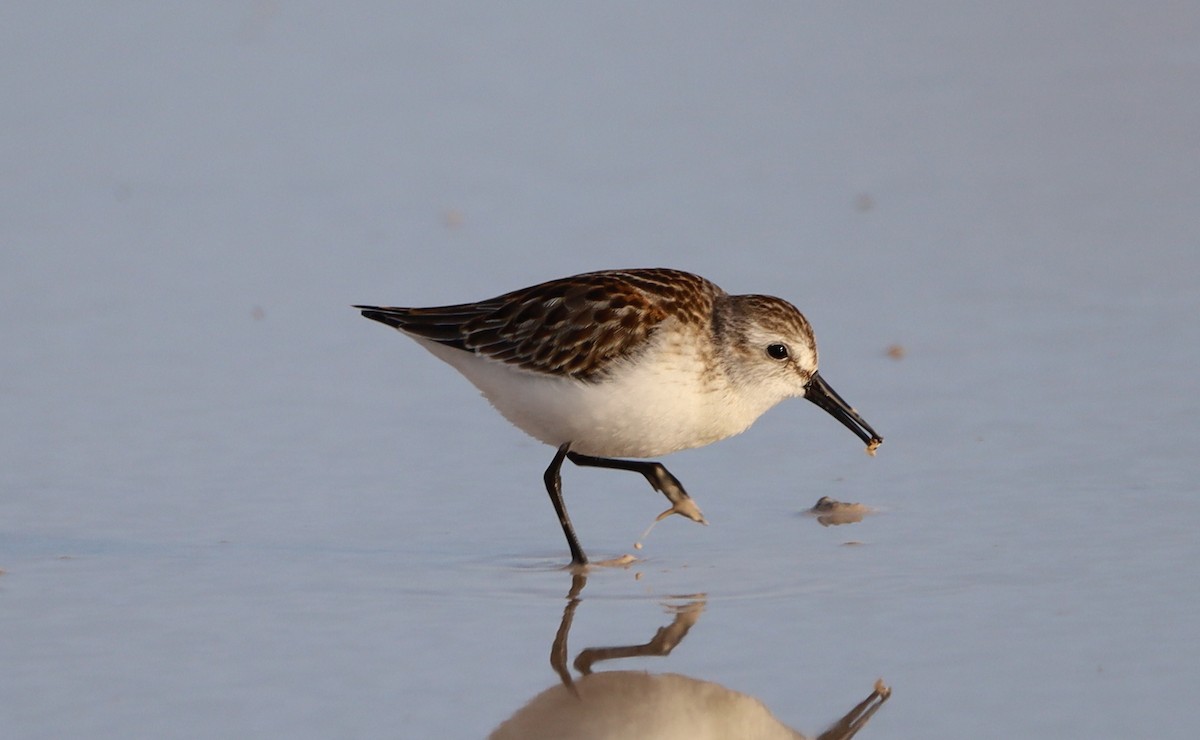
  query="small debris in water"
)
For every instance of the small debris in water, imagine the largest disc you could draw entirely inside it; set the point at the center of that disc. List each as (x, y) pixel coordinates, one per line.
(831, 512)
(618, 562)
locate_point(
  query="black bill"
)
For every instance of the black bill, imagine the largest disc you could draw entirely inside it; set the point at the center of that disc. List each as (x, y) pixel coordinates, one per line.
(819, 392)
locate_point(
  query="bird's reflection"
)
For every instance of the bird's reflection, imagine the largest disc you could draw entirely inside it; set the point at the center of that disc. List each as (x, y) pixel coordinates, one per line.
(636, 704)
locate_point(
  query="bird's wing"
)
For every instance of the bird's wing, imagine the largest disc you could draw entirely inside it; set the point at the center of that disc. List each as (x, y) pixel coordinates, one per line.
(572, 326)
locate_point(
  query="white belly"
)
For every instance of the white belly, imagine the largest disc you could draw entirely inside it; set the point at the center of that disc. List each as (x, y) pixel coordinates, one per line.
(669, 400)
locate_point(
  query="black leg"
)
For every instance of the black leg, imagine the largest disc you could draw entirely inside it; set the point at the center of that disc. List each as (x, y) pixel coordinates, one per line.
(553, 479)
(659, 477)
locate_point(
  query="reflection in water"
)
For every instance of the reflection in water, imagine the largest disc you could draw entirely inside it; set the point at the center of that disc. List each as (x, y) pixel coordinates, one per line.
(637, 704)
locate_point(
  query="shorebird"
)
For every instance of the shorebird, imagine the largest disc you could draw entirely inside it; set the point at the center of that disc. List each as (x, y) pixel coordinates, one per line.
(628, 364)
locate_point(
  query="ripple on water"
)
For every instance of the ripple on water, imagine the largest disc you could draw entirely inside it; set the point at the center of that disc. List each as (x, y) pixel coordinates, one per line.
(652, 578)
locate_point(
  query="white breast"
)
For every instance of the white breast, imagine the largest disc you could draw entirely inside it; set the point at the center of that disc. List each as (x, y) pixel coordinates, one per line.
(669, 398)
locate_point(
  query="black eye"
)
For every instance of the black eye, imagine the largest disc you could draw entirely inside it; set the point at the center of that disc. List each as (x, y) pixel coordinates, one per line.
(777, 351)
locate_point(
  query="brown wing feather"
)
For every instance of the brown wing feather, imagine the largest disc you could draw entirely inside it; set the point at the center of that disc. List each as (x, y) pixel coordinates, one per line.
(571, 326)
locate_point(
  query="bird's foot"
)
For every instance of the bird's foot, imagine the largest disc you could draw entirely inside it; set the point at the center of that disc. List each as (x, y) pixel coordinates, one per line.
(681, 503)
(684, 506)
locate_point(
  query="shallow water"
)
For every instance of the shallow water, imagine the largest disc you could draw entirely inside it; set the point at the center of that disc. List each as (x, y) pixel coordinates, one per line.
(230, 506)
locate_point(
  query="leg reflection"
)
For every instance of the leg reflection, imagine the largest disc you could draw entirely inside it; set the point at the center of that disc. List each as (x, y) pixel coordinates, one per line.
(638, 703)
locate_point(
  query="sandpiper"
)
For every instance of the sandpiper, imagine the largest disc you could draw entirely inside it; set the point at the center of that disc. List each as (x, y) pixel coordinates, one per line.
(628, 363)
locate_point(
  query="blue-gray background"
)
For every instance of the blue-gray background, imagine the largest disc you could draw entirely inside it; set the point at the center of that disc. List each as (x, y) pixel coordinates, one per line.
(229, 506)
